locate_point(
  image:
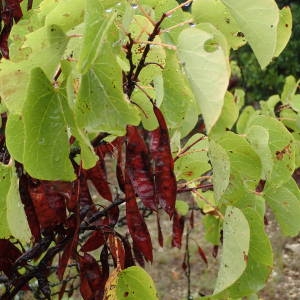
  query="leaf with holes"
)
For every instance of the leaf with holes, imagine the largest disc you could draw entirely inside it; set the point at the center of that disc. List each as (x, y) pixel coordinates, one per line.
(135, 284)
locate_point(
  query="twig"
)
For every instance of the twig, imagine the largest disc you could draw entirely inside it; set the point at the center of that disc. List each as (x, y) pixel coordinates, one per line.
(169, 46)
(177, 25)
(101, 213)
(192, 189)
(154, 63)
(218, 213)
(141, 64)
(144, 92)
(188, 263)
(170, 12)
(189, 147)
(141, 8)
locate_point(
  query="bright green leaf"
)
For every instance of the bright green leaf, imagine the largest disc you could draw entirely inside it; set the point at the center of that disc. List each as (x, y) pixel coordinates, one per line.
(282, 148)
(236, 237)
(289, 89)
(5, 177)
(46, 149)
(212, 229)
(285, 204)
(228, 116)
(134, 283)
(207, 72)
(101, 104)
(247, 114)
(16, 218)
(216, 13)
(221, 169)
(258, 20)
(47, 46)
(97, 24)
(284, 29)
(258, 137)
(245, 167)
(182, 207)
(259, 261)
(15, 136)
(66, 14)
(177, 100)
(194, 162)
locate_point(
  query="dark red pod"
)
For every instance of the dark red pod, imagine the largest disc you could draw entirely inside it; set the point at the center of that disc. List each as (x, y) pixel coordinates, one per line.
(178, 227)
(138, 167)
(164, 177)
(97, 175)
(50, 205)
(136, 223)
(8, 255)
(91, 281)
(202, 254)
(96, 240)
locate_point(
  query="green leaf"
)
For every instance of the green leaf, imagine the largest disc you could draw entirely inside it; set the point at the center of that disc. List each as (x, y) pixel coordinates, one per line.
(134, 283)
(229, 115)
(245, 117)
(177, 100)
(182, 207)
(145, 108)
(207, 71)
(258, 137)
(97, 24)
(245, 167)
(212, 229)
(236, 235)
(254, 201)
(289, 89)
(290, 119)
(258, 20)
(66, 14)
(295, 102)
(284, 29)
(282, 146)
(268, 107)
(46, 149)
(216, 13)
(221, 169)
(16, 218)
(47, 46)
(259, 261)
(190, 119)
(285, 204)
(13, 221)
(194, 162)
(101, 105)
(5, 177)
(15, 136)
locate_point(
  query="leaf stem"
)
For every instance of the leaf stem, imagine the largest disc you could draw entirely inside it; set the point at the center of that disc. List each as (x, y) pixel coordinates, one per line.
(181, 152)
(177, 25)
(170, 12)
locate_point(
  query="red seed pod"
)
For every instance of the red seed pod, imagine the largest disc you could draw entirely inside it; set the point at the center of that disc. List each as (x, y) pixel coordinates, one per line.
(160, 150)
(138, 167)
(178, 227)
(136, 223)
(91, 281)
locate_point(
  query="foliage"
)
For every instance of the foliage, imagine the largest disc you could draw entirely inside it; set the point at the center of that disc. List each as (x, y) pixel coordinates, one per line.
(260, 84)
(90, 84)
